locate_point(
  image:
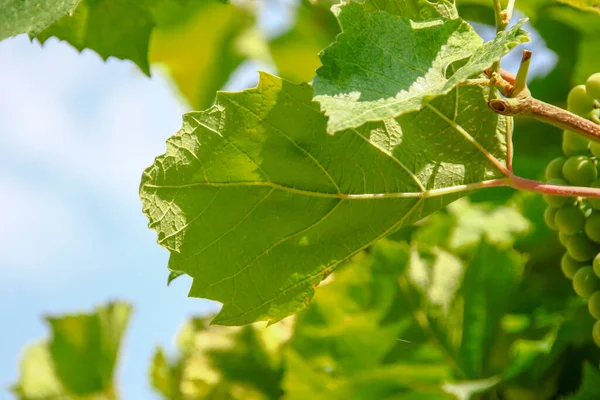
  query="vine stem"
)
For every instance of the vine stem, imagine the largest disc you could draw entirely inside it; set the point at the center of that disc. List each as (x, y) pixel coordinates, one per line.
(527, 106)
(509, 144)
(519, 183)
(503, 18)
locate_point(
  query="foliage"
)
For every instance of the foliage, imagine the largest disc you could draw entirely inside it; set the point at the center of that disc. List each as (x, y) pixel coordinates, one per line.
(435, 317)
(79, 359)
(351, 183)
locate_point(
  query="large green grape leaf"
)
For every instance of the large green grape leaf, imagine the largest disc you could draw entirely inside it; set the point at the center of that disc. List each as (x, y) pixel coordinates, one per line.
(79, 359)
(383, 65)
(31, 16)
(216, 29)
(257, 204)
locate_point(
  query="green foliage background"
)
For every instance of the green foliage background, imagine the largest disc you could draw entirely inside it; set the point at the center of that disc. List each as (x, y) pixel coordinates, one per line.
(466, 301)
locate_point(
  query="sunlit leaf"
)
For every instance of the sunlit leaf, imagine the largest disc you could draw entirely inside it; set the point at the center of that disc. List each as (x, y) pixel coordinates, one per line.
(31, 16)
(240, 169)
(382, 65)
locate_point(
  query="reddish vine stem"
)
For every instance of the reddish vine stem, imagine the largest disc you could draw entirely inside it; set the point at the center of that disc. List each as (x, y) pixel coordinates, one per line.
(554, 190)
(509, 144)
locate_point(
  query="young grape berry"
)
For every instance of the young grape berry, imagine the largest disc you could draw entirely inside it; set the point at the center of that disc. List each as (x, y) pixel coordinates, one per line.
(574, 144)
(594, 305)
(550, 218)
(592, 227)
(578, 220)
(563, 238)
(596, 333)
(570, 266)
(592, 86)
(585, 282)
(596, 265)
(580, 171)
(579, 101)
(569, 219)
(581, 248)
(595, 149)
(554, 168)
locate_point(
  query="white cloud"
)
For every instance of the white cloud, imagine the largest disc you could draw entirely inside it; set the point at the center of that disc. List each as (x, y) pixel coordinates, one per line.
(37, 227)
(97, 123)
(76, 134)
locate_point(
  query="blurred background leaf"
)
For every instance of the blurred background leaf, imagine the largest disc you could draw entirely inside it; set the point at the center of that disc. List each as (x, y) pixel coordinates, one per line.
(79, 359)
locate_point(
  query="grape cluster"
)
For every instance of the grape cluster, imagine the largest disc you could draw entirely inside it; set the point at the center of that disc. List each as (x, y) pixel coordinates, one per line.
(578, 220)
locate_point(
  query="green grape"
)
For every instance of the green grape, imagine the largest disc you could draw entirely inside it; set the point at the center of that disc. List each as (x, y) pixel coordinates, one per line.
(574, 144)
(554, 168)
(595, 148)
(550, 217)
(563, 238)
(592, 86)
(580, 171)
(592, 227)
(596, 265)
(569, 219)
(569, 266)
(596, 333)
(556, 201)
(585, 282)
(594, 202)
(594, 305)
(581, 248)
(579, 102)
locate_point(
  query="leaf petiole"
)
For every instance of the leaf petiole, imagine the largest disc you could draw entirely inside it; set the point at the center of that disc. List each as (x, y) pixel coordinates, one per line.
(519, 183)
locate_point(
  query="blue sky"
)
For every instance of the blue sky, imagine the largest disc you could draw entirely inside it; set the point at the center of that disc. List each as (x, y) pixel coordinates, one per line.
(76, 134)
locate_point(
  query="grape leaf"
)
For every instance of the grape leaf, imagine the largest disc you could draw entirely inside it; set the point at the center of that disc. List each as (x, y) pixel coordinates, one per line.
(37, 380)
(466, 224)
(79, 359)
(198, 74)
(382, 65)
(586, 5)
(222, 362)
(416, 10)
(295, 53)
(489, 283)
(257, 204)
(345, 346)
(88, 339)
(31, 16)
(117, 28)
